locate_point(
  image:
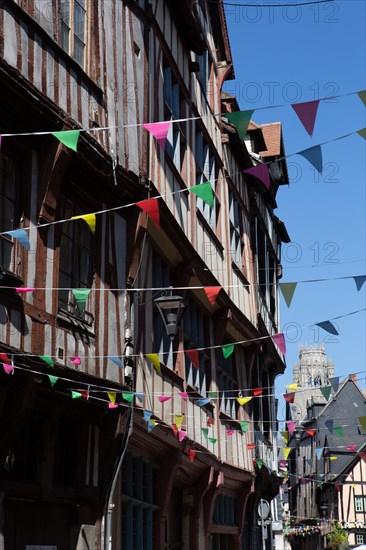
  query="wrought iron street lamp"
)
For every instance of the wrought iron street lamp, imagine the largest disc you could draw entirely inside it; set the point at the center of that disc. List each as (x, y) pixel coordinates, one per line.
(171, 309)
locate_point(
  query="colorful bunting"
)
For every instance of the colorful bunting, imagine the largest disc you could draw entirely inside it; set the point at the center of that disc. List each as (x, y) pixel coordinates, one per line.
(229, 432)
(112, 405)
(181, 435)
(289, 397)
(151, 208)
(359, 280)
(147, 415)
(23, 290)
(362, 421)
(292, 387)
(178, 419)
(279, 340)
(4, 358)
(139, 396)
(76, 395)
(329, 425)
(285, 436)
(47, 360)
(241, 120)
(310, 432)
(314, 156)
(202, 402)
(175, 429)
(286, 452)
(205, 432)
(362, 133)
(334, 382)
(194, 357)
(258, 462)
(260, 172)
(182, 394)
(81, 296)
(204, 192)
(227, 350)
(287, 290)
(112, 396)
(339, 431)
(251, 446)
(210, 421)
(116, 360)
(52, 379)
(351, 448)
(128, 396)
(319, 452)
(333, 458)
(75, 360)
(213, 394)
(159, 130)
(151, 425)
(307, 114)
(291, 425)
(212, 440)
(244, 424)
(328, 327)
(192, 454)
(257, 392)
(326, 392)
(155, 361)
(164, 398)
(9, 369)
(362, 96)
(243, 400)
(69, 138)
(212, 293)
(21, 236)
(90, 219)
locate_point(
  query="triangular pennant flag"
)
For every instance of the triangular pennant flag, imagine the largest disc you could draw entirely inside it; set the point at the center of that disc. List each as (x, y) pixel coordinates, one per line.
(181, 435)
(205, 432)
(362, 421)
(243, 400)
(112, 405)
(204, 192)
(212, 440)
(112, 396)
(319, 452)
(227, 350)
(52, 379)
(328, 327)
(288, 290)
(69, 138)
(116, 360)
(285, 436)
(333, 458)
(163, 398)
(192, 454)
(289, 397)
(147, 415)
(251, 446)
(314, 156)
(326, 392)
(182, 394)
(4, 358)
(351, 448)
(362, 456)
(244, 424)
(47, 360)
(229, 432)
(159, 130)
(292, 387)
(261, 172)
(286, 452)
(362, 133)
(240, 119)
(307, 114)
(175, 429)
(291, 425)
(310, 462)
(339, 431)
(155, 361)
(212, 292)
(151, 208)
(359, 280)
(8, 368)
(128, 396)
(178, 419)
(210, 421)
(81, 296)
(329, 425)
(362, 96)
(75, 360)
(257, 392)
(76, 395)
(353, 485)
(85, 393)
(213, 394)
(310, 432)
(283, 463)
(151, 425)
(202, 402)
(334, 382)
(279, 340)
(194, 357)
(259, 463)
(21, 236)
(139, 396)
(90, 219)
(23, 290)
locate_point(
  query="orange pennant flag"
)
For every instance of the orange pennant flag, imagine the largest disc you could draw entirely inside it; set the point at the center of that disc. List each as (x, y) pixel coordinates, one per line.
(257, 392)
(212, 293)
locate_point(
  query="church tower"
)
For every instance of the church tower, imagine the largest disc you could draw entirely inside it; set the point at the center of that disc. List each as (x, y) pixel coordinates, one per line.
(313, 369)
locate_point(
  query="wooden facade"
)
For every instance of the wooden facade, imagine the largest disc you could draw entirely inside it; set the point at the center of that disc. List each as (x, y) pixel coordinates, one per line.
(76, 474)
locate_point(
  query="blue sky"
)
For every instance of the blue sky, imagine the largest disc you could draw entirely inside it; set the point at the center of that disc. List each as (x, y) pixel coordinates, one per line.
(287, 55)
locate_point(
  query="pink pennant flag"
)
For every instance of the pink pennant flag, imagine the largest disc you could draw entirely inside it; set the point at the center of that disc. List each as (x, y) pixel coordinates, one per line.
(151, 208)
(159, 130)
(183, 395)
(181, 435)
(192, 455)
(163, 398)
(8, 368)
(194, 357)
(351, 448)
(112, 405)
(307, 114)
(75, 360)
(291, 425)
(260, 172)
(229, 432)
(23, 290)
(279, 340)
(212, 293)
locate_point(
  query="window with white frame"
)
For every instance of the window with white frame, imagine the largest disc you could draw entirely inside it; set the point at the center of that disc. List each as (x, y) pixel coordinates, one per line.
(195, 336)
(206, 171)
(176, 144)
(73, 28)
(360, 538)
(360, 504)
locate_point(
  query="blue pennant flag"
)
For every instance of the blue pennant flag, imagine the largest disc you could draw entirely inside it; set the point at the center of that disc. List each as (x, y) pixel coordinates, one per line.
(328, 326)
(314, 156)
(319, 452)
(116, 360)
(21, 236)
(147, 415)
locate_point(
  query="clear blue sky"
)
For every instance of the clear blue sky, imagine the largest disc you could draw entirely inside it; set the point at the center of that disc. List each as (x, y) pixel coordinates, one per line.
(287, 55)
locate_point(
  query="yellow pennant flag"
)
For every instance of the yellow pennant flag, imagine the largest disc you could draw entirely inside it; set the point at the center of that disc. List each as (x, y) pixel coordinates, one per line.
(178, 420)
(333, 458)
(243, 400)
(352, 485)
(90, 219)
(154, 358)
(292, 387)
(285, 436)
(286, 452)
(112, 396)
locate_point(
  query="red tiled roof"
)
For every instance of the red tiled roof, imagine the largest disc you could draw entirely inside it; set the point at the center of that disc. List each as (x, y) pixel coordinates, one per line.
(272, 136)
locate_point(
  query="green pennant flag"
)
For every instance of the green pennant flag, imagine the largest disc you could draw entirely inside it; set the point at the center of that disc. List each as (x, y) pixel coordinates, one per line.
(339, 431)
(259, 462)
(213, 394)
(52, 379)
(362, 96)
(205, 432)
(204, 192)
(47, 360)
(288, 290)
(362, 133)
(76, 395)
(362, 421)
(241, 120)
(227, 350)
(244, 424)
(326, 392)
(212, 440)
(81, 296)
(128, 396)
(69, 138)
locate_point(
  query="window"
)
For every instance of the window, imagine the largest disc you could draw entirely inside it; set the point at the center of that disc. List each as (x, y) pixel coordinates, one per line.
(236, 231)
(360, 539)
(138, 503)
(7, 209)
(195, 336)
(176, 145)
(224, 512)
(73, 18)
(205, 65)
(206, 170)
(360, 504)
(76, 257)
(162, 342)
(317, 380)
(226, 369)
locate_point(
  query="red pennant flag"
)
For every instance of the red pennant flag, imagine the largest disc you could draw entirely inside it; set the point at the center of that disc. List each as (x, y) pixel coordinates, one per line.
(251, 446)
(289, 397)
(175, 429)
(194, 357)
(307, 114)
(159, 130)
(261, 172)
(210, 421)
(362, 456)
(151, 208)
(279, 340)
(192, 455)
(257, 392)
(4, 358)
(310, 432)
(84, 394)
(212, 292)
